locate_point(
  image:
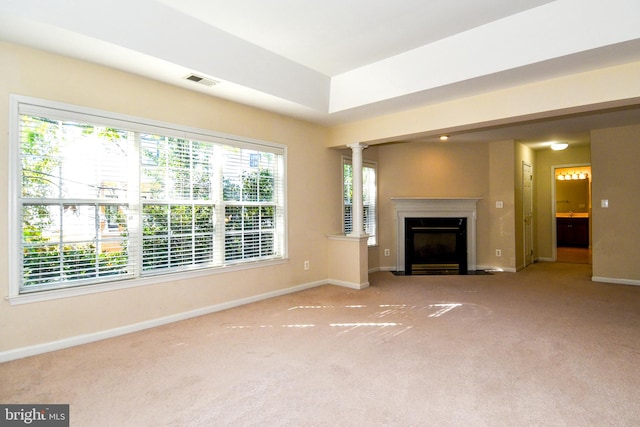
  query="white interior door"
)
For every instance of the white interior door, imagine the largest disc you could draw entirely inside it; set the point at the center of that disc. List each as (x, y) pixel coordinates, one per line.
(527, 205)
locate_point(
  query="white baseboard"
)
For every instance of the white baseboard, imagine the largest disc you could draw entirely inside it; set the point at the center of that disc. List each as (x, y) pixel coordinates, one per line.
(33, 350)
(349, 285)
(616, 281)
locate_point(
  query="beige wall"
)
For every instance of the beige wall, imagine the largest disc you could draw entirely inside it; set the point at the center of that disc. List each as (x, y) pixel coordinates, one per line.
(312, 188)
(502, 229)
(348, 261)
(431, 170)
(615, 154)
(546, 161)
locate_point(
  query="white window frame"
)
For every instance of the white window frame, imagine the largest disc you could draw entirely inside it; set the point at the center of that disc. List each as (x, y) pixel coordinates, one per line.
(18, 103)
(373, 237)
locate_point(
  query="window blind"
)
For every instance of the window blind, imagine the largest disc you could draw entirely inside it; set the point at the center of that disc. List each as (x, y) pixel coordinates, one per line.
(99, 203)
(369, 196)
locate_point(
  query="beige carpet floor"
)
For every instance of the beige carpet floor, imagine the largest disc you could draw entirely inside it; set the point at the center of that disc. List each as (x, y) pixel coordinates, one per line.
(542, 347)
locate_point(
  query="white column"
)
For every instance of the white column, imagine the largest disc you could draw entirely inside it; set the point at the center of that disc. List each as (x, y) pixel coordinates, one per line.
(357, 214)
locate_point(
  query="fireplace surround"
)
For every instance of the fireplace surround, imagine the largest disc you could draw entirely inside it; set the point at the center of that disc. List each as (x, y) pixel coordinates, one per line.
(413, 208)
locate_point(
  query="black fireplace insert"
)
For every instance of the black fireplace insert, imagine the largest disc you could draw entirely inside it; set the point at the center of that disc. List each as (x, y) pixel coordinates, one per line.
(435, 246)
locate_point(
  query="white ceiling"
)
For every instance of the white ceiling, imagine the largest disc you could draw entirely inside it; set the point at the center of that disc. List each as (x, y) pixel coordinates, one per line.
(334, 36)
(332, 61)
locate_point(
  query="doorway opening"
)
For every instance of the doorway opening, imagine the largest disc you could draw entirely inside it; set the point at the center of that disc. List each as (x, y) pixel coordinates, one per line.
(572, 213)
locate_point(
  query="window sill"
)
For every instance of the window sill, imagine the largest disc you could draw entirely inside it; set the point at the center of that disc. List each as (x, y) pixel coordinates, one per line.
(54, 294)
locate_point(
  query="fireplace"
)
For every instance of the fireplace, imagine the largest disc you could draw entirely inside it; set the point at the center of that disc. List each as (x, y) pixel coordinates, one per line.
(435, 245)
(435, 235)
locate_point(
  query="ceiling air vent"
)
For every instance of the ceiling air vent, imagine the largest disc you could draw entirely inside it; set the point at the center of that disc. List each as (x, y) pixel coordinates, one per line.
(202, 80)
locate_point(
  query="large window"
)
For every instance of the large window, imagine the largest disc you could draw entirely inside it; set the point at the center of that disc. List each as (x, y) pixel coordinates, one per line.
(103, 198)
(369, 198)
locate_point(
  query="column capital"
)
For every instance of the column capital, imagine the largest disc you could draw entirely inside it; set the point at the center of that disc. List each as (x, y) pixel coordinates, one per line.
(357, 145)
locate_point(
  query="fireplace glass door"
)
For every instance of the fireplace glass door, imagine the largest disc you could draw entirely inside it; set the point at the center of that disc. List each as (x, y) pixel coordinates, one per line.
(435, 246)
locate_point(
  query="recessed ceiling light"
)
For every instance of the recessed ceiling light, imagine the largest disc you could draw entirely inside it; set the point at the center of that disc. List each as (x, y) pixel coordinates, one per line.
(558, 146)
(444, 137)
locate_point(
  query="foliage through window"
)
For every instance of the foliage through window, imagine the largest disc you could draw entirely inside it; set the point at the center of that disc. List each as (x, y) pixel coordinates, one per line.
(369, 195)
(104, 198)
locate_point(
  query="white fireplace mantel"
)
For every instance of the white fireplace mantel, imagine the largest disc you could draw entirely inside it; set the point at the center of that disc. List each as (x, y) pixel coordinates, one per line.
(436, 207)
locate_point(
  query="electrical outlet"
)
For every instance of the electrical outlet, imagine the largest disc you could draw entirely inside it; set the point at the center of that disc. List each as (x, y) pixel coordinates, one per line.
(306, 265)
(498, 252)
(387, 252)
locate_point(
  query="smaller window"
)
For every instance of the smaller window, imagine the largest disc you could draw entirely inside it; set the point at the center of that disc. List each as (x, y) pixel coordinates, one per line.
(369, 196)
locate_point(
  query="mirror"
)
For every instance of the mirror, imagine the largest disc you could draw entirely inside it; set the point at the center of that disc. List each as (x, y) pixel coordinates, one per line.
(573, 195)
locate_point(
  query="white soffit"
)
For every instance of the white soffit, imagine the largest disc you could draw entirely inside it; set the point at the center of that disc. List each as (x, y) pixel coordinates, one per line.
(552, 31)
(149, 38)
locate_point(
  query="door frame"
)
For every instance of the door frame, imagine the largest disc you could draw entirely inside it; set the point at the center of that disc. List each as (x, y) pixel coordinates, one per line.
(531, 248)
(554, 225)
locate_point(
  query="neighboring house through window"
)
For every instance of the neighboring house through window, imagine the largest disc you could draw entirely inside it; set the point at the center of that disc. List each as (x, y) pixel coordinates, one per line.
(369, 198)
(100, 197)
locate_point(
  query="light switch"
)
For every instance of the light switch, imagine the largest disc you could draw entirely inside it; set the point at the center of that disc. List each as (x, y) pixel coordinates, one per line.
(604, 203)
(499, 204)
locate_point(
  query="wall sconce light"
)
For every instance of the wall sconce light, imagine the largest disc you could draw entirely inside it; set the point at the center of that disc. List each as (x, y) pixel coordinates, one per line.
(572, 176)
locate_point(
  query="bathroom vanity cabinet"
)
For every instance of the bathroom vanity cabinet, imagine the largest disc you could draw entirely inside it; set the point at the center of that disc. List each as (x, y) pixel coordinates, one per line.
(573, 232)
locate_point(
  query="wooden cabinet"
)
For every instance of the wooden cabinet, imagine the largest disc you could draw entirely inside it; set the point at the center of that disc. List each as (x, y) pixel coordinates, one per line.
(573, 232)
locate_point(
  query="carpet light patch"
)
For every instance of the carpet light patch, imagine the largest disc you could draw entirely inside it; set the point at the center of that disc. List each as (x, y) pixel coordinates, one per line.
(310, 307)
(370, 324)
(443, 309)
